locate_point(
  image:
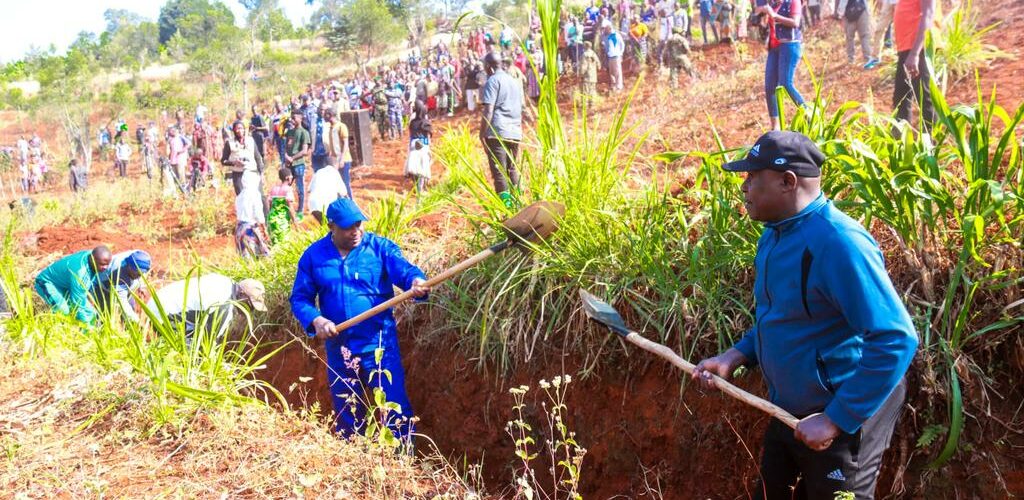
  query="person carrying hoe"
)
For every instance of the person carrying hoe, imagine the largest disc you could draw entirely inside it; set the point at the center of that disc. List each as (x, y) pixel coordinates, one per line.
(346, 273)
(831, 335)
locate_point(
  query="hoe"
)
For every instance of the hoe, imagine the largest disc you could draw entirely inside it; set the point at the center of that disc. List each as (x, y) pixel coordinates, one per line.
(532, 224)
(600, 311)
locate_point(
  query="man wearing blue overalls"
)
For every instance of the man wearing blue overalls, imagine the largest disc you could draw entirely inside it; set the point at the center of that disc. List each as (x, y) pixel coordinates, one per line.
(343, 274)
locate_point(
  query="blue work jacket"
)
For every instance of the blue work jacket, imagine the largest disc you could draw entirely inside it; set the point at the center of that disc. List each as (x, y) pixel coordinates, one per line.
(831, 333)
(338, 288)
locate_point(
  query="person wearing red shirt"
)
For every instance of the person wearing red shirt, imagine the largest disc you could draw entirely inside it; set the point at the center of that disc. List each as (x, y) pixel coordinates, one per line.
(911, 21)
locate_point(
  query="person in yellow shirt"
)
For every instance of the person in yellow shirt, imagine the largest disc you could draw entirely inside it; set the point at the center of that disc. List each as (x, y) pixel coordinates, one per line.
(338, 149)
(638, 33)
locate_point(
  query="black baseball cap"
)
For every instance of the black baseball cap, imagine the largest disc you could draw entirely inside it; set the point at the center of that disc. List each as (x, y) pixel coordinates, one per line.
(781, 150)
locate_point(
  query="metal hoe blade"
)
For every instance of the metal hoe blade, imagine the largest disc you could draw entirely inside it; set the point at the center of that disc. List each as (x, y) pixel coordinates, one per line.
(535, 222)
(602, 312)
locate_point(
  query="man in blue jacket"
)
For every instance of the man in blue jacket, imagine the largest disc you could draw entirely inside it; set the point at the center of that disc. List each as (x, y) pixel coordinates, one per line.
(831, 335)
(348, 272)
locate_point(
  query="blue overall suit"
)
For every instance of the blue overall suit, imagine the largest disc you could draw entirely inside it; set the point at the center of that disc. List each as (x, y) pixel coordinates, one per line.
(345, 287)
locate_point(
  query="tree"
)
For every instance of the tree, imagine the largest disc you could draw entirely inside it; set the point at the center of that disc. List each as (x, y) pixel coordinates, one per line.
(266, 20)
(225, 59)
(119, 18)
(363, 29)
(196, 21)
(65, 85)
(130, 41)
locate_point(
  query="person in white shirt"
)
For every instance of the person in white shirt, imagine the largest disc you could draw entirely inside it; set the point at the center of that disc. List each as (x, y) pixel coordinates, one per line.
(239, 154)
(326, 186)
(417, 165)
(206, 301)
(250, 230)
(122, 154)
(666, 21)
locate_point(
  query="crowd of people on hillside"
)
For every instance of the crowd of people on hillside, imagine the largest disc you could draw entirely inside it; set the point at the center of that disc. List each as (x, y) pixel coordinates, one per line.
(834, 352)
(29, 156)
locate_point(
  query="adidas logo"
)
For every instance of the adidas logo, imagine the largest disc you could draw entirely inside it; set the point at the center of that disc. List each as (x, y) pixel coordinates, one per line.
(836, 475)
(756, 150)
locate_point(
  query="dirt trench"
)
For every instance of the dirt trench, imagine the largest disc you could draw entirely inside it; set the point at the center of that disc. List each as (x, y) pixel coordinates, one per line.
(645, 436)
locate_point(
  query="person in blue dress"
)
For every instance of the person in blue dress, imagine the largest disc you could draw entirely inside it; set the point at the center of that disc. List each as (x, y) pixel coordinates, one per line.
(345, 273)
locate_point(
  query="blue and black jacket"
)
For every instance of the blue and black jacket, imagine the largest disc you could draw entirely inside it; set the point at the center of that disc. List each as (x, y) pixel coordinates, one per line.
(831, 334)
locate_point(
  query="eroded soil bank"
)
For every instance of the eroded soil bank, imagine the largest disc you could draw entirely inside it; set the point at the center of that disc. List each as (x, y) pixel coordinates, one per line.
(645, 436)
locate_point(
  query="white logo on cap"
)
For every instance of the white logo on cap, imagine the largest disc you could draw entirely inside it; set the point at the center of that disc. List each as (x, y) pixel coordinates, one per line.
(756, 150)
(780, 161)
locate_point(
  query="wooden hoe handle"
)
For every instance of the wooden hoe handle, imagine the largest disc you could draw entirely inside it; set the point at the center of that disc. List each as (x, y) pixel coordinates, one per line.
(722, 384)
(445, 275)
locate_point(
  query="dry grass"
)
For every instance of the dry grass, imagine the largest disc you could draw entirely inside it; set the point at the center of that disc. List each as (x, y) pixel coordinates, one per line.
(68, 430)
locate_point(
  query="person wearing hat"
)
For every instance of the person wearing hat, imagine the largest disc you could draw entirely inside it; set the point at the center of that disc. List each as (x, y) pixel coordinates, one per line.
(120, 281)
(831, 335)
(206, 301)
(64, 285)
(343, 274)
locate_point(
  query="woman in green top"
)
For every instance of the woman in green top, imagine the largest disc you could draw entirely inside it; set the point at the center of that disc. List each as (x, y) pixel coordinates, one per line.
(282, 200)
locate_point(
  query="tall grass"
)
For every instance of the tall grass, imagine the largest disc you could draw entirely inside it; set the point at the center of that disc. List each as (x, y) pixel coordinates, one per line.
(961, 44)
(946, 205)
(185, 375)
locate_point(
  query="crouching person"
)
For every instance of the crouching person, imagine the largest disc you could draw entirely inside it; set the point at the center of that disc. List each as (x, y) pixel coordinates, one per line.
(205, 302)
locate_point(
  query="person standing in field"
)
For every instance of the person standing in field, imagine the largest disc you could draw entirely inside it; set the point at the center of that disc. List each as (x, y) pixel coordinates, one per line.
(239, 154)
(251, 223)
(501, 126)
(615, 46)
(396, 108)
(856, 18)
(122, 155)
(785, 45)
(338, 152)
(149, 144)
(177, 155)
(64, 285)
(882, 23)
(325, 187)
(79, 176)
(706, 20)
(911, 21)
(678, 58)
(831, 335)
(282, 206)
(814, 12)
(296, 148)
(319, 137)
(340, 276)
(589, 64)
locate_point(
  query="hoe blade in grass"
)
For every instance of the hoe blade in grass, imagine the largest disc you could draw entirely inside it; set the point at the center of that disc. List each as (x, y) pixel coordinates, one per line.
(602, 312)
(535, 222)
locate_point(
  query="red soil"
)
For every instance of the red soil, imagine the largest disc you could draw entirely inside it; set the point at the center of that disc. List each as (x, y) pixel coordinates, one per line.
(642, 433)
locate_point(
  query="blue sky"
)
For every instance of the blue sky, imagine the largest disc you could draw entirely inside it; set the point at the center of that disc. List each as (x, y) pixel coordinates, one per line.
(27, 23)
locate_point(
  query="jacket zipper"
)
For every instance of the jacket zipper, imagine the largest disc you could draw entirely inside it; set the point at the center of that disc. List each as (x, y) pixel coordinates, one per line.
(768, 295)
(823, 373)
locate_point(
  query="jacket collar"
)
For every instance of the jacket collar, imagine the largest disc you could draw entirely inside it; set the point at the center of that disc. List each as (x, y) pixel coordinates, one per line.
(811, 208)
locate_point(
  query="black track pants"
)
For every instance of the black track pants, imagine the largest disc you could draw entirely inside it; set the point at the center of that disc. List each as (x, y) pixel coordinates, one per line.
(791, 470)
